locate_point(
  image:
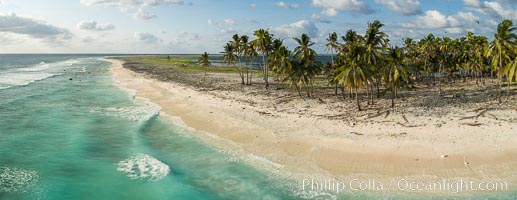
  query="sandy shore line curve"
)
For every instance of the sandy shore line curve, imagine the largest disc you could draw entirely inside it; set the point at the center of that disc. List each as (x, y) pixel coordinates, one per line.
(298, 147)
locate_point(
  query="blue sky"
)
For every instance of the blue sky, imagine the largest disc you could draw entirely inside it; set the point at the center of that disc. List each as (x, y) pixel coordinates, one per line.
(195, 26)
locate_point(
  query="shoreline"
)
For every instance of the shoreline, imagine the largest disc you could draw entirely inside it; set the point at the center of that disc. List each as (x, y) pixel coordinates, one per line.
(303, 147)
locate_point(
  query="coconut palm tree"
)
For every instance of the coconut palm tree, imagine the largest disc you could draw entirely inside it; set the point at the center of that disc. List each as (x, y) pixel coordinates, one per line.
(251, 53)
(395, 72)
(204, 62)
(352, 72)
(307, 58)
(332, 46)
(501, 50)
(276, 45)
(281, 65)
(239, 50)
(444, 56)
(477, 45)
(427, 48)
(303, 51)
(376, 43)
(229, 54)
(263, 45)
(412, 56)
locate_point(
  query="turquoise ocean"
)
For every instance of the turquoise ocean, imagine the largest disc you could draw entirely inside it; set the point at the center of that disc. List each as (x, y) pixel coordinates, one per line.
(67, 132)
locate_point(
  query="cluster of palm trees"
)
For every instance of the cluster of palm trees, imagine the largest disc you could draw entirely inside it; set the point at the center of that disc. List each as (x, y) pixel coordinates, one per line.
(297, 67)
(368, 66)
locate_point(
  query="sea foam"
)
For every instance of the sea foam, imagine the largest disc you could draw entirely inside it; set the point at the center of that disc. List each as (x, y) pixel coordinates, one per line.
(27, 75)
(143, 167)
(19, 79)
(131, 113)
(39, 67)
(17, 180)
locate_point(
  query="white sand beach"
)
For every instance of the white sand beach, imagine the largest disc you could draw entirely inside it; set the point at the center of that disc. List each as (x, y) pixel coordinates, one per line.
(462, 143)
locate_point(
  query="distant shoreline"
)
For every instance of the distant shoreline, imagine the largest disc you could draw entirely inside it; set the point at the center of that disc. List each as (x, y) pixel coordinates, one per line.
(307, 146)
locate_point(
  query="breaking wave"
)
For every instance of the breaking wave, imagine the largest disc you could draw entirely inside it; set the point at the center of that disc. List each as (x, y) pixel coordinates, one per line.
(140, 113)
(143, 167)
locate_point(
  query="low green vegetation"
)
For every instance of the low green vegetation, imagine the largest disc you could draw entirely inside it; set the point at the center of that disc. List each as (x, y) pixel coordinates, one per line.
(183, 63)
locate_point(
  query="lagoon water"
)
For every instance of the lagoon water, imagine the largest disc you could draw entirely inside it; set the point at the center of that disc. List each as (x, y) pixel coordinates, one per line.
(67, 132)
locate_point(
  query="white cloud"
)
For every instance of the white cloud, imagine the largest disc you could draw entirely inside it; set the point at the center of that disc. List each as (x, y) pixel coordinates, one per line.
(474, 3)
(229, 22)
(189, 36)
(146, 37)
(319, 19)
(88, 39)
(456, 24)
(143, 15)
(11, 23)
(329, 12)
(9, 38)
(468, 16)
(332, 7)
(502, 9)
(185, 38)
(297, 28)
(226, 30)
(91, 25)
(131, 3)
(403, 7)
(432, 19)
(287, 5)
(136, 4)
(253, 5)
(454, 30)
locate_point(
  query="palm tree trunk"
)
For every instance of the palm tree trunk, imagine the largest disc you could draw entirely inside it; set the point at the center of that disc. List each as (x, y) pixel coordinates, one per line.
(393, 94)
(332, 56)
(251, 71)
(265, 71)
(241, 72)
(367, 93)
(499, 76)
(277, 82)
(378, 85)
(335, 89)
(371, 94)
(343, 92)
(298, 89)
(204, 77)
(247, 73)
(357, 98)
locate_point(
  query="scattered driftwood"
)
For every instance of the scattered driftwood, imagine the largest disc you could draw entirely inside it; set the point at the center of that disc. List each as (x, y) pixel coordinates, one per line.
(370, 116)
(356, 133)
(482, 113)
(408, 126)
(387, 114)
(491, 116)
(263, 113)
(405, 119)
(472, 124)
(479, 109)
